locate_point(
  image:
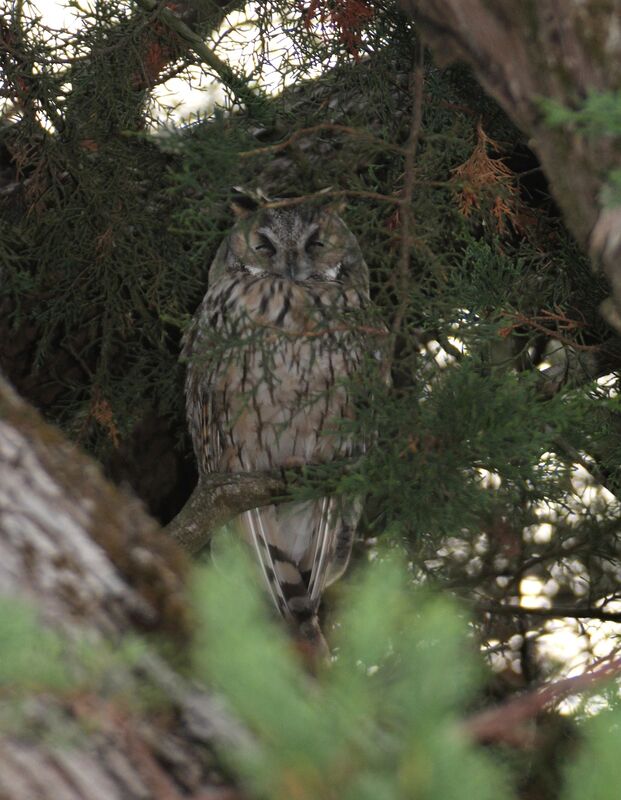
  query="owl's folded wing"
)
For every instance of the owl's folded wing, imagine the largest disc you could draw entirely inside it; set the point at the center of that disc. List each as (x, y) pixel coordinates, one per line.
(202, 422)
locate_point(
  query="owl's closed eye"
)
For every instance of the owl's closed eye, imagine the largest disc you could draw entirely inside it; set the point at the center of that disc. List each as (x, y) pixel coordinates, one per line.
(298, 243)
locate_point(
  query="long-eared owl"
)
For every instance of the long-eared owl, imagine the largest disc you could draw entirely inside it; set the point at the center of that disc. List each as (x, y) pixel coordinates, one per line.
(269, 354)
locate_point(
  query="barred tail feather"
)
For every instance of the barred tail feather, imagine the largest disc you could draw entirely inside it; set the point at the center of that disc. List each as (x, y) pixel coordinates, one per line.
(252, 522)
(295, 544)
(325, 543)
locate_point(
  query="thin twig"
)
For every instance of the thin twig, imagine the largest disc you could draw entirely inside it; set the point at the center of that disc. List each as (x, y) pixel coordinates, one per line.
(406, 213)
(505, 722)
(172, 72)
(323, 126)
(296, 201)
(554, 613)
(449, 348)
(598, 473)
(238, 84)
(521, 320)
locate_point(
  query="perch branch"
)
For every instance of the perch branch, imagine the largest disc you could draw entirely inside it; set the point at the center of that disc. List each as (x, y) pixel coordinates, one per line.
(220, 497)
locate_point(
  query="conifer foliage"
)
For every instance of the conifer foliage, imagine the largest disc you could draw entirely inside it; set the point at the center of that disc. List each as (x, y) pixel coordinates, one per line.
(495, 441)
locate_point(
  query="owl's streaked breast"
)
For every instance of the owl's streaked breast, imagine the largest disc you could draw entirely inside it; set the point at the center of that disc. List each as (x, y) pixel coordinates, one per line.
(284, 304)
(275, 389)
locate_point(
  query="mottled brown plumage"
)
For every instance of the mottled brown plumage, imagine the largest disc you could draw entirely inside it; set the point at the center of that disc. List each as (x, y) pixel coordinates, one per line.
(268, 353)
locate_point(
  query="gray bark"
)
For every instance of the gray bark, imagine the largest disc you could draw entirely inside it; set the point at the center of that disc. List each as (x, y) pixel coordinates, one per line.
(218, 498)
(524, 51)
(93, 564)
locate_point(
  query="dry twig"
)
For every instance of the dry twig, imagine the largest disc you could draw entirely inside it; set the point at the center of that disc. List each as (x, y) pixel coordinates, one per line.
(553, 613)
(505, 723)
(406, 215)
(323, 126)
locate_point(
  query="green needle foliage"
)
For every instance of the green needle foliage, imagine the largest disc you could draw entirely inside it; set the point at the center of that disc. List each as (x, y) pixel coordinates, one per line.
(492, 456)
(595, 772)
(34, 658)
(380, 722)
(384, 719)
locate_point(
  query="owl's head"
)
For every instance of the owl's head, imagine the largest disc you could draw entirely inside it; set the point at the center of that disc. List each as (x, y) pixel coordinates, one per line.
(301, 243)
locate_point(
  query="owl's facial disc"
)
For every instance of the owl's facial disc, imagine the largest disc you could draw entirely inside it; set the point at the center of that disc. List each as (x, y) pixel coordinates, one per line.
(297, 246)
(332, 273)
(255, 271)
(266, 244)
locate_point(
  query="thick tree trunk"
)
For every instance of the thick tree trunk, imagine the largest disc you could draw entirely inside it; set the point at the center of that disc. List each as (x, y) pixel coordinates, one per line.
(524, 51)
(93, 564)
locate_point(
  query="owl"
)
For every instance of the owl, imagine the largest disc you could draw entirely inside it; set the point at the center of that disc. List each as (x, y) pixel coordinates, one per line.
(269, 354)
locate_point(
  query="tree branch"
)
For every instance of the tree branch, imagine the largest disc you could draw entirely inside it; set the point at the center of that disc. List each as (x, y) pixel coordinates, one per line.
(523, 56)
(218, 498)
(554, 613)
(505, 722)
(238, 84)
(94, 566)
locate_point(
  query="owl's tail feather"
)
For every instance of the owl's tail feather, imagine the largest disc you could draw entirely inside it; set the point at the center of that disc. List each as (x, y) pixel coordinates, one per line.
(295, 545)
(252, 521)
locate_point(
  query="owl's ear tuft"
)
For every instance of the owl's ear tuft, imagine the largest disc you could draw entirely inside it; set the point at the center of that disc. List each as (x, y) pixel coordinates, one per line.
(336, 206)
(332, 205)
(246, 201)
(242, 205)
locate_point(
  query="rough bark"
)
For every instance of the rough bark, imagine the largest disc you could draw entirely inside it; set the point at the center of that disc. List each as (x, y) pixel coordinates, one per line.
(93, 563)
(220, 497)
(83, 550)
(522, 52)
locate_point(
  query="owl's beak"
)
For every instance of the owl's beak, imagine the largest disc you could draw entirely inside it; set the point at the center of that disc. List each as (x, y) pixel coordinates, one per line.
(291, 268)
